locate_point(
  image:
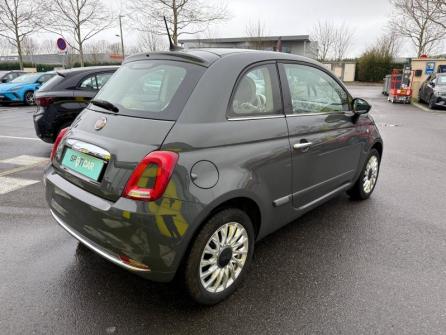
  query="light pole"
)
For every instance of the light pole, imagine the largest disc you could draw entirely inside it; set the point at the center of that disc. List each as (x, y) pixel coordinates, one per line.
(122, 36)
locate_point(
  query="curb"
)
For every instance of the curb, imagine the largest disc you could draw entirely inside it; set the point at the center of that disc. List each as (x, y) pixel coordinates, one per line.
(426, 109)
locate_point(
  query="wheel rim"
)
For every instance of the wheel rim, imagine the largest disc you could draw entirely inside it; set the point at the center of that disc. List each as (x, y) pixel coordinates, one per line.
(30, 98)
(224, 257)
(370, 174)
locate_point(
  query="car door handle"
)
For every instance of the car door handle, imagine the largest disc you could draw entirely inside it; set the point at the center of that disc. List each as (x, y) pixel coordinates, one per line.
(304, 146)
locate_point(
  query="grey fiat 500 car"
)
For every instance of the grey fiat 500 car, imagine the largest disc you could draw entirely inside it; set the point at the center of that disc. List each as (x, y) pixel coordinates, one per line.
(185, 159)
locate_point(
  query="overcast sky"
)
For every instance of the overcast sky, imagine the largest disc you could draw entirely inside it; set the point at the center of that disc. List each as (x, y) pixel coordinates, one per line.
(297, 17)
(368, 18)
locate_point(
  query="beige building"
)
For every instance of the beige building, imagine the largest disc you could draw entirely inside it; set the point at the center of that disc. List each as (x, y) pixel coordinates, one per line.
(419, 66)
(345, 71)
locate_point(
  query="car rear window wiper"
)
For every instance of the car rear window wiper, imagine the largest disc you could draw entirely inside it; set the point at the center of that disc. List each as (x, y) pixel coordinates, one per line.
(106, 105)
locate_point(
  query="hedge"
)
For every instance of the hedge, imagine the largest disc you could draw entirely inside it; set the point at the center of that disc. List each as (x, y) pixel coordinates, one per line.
(372, 67)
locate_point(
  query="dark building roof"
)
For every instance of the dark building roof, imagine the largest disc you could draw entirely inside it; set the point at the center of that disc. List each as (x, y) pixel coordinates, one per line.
(293, 38)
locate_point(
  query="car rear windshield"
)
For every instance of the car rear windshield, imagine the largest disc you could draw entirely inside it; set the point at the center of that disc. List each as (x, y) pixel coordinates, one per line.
(52, 83)
(156, 89)
(27, 78)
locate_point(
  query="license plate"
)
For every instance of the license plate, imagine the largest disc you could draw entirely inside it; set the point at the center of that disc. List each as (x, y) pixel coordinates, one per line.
(83, 164)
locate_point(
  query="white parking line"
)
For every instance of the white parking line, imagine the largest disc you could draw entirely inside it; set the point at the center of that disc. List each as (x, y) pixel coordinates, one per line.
(24, 160)
(20, 138)
(8, 184)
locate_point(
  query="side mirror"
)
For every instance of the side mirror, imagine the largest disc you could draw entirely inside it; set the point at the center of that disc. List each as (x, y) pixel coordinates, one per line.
(360, 106)
(432, 83)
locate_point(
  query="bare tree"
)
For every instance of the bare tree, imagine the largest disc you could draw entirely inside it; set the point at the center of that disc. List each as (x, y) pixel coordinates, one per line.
(76, 20)
(324, 33)
(256, 31)
(440, 18)
(18, 19)
(47, 47)
(5, 47)
(148, 41)
(342, 42)
(388, 44)
(333, 40)
(183, 16)
(29, 46)
(420, 21)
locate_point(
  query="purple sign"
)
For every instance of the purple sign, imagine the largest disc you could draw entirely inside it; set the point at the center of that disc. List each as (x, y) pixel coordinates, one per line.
(61, 44)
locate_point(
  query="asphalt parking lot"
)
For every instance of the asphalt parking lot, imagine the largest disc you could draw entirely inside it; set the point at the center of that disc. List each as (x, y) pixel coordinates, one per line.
(374, 267)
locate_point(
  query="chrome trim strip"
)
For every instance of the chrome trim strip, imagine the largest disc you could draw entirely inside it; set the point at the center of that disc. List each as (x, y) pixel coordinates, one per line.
(108, 256)
(88, 148)
(328, 195)
(255, 117)
(282, 201)
(312, 114)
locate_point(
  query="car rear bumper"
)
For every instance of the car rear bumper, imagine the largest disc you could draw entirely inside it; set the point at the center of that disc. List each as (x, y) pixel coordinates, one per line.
(114, 258)
(44, 126)
(146, 238)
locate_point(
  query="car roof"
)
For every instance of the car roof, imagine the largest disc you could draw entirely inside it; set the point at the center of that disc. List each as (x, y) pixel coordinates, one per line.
(87, 69)
(11, 71)
(208, 56)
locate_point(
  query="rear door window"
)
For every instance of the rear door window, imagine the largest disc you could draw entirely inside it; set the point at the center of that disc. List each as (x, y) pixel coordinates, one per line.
(89, 83)
(257, 93)
(155, 89)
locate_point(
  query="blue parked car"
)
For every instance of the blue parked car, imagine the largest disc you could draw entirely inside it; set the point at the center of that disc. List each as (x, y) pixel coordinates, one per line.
(22, 89)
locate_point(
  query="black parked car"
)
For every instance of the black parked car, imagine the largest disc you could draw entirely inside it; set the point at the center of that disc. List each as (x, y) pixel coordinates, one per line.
(7, 76)
(185, 159)
(62, 98)
(433, 90)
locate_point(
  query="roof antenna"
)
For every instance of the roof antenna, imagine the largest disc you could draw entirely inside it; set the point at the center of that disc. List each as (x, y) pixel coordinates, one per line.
(172, 46)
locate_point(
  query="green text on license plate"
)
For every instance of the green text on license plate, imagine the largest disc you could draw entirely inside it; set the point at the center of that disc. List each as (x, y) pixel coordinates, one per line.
(83, 164)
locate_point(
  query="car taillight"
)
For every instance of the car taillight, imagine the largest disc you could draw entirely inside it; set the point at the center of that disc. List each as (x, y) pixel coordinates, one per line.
(57, 142)
(151, 176)
(44, 101)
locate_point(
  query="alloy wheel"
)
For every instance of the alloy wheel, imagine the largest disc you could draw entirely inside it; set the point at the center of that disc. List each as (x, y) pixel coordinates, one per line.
(224, 257)
(370, 174)
(29, 97)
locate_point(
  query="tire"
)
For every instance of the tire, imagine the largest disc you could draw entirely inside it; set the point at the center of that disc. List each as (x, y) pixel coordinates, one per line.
(432, 102)
(29, 98)
(362, 190)
(420, 99)
(219, 265)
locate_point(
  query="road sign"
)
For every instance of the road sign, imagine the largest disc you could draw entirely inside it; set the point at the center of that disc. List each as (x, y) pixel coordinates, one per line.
(430, 67)
(61, 44)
